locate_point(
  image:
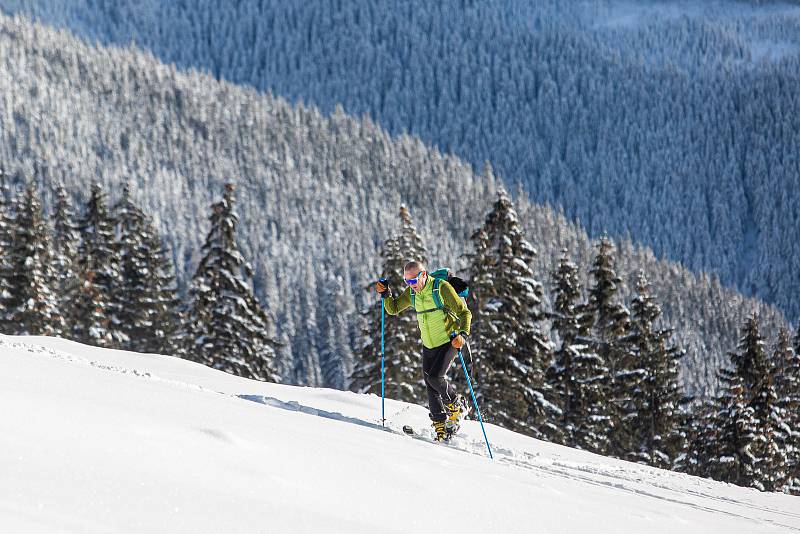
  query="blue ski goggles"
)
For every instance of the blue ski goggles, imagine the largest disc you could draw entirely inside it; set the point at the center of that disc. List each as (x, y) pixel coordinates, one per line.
(413, 281)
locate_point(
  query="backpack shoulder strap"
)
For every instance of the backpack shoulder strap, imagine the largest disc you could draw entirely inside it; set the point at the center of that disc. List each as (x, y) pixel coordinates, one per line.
(437, 295)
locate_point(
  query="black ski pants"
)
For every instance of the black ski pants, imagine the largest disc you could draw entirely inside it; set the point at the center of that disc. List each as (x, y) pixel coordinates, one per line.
(435, 363)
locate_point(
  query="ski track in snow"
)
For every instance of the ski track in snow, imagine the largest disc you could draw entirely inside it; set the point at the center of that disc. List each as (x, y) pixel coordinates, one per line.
(633, 481)
(71, 358)
(620, 480)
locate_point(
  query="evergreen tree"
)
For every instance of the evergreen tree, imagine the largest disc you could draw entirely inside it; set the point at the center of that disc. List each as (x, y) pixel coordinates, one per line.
(406, 341)
(578, 375)
(769, 458)
(790, 392)
(656, 418)
(305, 349)
(228, 329)
(730, 434)
(750, 361)
(366, 377)
(96, 319)
(334, 355)
(608, 338)
(33, 304)
(510, 352)
(402, 345)
(786, 379)
(701, 438)
(748, 449)
(411, 244)
(148, 299)
(66, 238)
(6, 268)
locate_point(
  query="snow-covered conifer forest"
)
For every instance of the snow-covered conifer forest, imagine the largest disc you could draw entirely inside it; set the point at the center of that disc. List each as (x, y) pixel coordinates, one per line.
(317, 193)
(676, 123)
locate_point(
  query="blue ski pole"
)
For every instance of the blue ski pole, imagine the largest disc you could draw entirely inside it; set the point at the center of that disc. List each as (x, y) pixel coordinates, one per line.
(383, 358)
(475, 402)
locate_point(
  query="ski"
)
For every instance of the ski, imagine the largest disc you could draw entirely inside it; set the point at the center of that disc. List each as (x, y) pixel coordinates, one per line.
(409, 431)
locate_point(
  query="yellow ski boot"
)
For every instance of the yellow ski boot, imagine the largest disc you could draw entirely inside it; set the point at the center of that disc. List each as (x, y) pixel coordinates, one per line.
(456, 411)
(439, 430)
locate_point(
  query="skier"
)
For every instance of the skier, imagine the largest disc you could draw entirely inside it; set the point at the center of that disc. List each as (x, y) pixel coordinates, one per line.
(444, 330)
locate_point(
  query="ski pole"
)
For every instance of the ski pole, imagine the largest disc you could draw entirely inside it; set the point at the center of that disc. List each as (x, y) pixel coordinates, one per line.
(383, 358)
(475, 402)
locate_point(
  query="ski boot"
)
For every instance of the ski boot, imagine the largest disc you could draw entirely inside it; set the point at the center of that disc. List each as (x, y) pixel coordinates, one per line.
(440, 432)
(456, 411)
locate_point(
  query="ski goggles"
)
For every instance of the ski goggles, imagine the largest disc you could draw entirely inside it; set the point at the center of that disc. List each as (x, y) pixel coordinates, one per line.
(413, 281)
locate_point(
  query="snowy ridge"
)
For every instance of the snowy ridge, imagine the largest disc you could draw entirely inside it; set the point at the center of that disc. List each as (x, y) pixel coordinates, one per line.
(96, 440)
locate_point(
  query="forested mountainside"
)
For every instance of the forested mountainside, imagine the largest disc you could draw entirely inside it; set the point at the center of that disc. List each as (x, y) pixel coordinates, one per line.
(676, 123)
(317, 193)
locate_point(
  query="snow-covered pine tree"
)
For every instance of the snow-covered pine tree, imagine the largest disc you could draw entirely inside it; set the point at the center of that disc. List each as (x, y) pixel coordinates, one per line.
(305, 349)
(148, 299)
(335, 355)
(786, 379)
(96, 319)
(578, 376)
(608, 339)
(510, 351)
(729, 434)
(769, 455)
(400, 381)
(284, 360)
(6, 269)
(404, 379)
(407, 343)
(227, 327)
(796, 343)
(750, 361)
(32, 308)
(747, 452)
(794, 485)
(656, 419)
(66, 238)
(701, 438)
(411, 244)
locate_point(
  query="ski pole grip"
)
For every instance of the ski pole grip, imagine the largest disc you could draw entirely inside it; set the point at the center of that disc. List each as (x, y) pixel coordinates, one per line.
(385, 282)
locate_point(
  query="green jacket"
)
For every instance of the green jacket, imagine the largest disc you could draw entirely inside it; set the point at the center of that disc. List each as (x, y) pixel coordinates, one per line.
(435, 326)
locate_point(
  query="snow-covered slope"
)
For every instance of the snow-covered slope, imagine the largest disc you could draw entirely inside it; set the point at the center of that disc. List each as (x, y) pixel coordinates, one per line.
(94, 440)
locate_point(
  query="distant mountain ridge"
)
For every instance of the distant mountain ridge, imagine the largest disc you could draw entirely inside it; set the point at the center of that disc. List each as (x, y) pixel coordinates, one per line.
(673, 122)
(317, 194)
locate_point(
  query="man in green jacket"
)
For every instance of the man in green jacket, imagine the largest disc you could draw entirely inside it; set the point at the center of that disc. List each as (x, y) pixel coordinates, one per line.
(443, 333)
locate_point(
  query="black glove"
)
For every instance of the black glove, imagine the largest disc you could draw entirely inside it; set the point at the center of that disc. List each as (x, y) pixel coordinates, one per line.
(382, 287)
